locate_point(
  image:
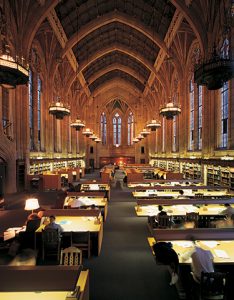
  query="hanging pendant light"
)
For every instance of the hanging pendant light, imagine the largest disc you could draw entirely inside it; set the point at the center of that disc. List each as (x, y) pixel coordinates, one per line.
(135, 140)
(97, 140)
(170, 110)
(93, 137)
(78, 124)
(153, 125)
(216, 69)
(59, 110)
(140, 137)
(145, 132)
(87, 132)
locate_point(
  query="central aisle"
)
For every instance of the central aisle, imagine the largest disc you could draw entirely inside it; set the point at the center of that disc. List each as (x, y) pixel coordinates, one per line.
(126, 269)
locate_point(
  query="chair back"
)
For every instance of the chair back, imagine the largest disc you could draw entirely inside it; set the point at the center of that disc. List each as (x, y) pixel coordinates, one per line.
(71, 256)
(50, 237)
(164, 221)
(213, 285)
(81, 240)
(51, 243)
(192, 217)
(152, 222)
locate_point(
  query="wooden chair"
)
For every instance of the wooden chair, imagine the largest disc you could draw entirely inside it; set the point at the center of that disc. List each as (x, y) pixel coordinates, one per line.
(71, 256)
(81, 240)
(51, 243)
(192, 217)
(213, 286)
(204, 222)
(152, 222)
(164, 221)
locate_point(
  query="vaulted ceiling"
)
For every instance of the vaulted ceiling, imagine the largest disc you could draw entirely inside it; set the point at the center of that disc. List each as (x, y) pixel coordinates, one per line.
(102, 45)
(118, 39)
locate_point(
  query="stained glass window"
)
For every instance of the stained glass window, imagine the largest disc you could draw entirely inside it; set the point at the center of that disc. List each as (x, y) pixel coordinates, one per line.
(103, 128)
(130, 129)
(117, 129)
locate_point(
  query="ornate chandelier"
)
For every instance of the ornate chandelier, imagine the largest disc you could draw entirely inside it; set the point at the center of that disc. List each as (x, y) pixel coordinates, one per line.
(59, 110)
(153, 125)
(78, 124)
(170, 110)
(214, 72)
(217, 69)
(13, 72)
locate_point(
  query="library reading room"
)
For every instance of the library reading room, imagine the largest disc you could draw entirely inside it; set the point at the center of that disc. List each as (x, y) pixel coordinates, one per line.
(117, 149)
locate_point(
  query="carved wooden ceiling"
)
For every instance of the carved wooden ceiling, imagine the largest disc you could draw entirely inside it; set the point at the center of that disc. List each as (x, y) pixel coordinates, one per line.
(118, 39)
(107, 45)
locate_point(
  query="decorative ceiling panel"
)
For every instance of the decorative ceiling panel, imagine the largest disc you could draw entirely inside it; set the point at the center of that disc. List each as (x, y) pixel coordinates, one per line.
(153, 16)
(117, 34)
(116, 74)
(156, 14)
(116, 57)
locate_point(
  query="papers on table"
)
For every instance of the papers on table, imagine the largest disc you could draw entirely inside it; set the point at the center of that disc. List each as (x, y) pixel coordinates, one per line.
(221, 253)
(184, 244)
(210, 244)
(8, 235)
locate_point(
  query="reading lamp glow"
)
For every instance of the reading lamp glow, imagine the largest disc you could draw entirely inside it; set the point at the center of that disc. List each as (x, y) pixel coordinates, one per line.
(31, 204)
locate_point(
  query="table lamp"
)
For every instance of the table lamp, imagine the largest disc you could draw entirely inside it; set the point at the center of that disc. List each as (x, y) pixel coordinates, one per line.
(31, 204)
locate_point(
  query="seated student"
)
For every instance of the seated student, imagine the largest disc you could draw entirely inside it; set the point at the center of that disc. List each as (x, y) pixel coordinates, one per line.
(226, 223)
(202, 261)
(228, 211)
(166, 255)
(93, 206)
(53, 225)
(33, 222)
(181, 195)
(161, 211)
(71, 188)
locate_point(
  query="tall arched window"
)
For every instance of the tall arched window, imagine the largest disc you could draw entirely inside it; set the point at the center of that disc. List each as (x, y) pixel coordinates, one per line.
(103, 128)
(31, 105)
(200, 96)
(39, 112)
(117, 130)
(191, 98)
(224, 117)
(130, 129)
(174, 135)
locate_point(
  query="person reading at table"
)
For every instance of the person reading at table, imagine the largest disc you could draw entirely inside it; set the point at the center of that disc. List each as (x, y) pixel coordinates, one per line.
(33, 222)
(53, 225)
(228, 211)
(202, 261)
(166, 255)
(161, 212)
(181, 195)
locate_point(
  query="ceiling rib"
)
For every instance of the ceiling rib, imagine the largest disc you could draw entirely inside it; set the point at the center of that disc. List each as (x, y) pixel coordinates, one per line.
(62, 39)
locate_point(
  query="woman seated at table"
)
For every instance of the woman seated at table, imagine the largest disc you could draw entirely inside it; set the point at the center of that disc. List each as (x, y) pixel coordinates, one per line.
(33, 222)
